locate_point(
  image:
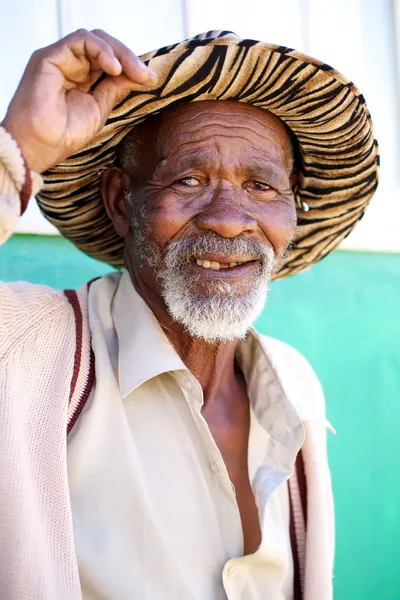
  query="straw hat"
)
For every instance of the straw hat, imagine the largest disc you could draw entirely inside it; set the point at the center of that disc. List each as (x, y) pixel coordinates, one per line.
(338, 155)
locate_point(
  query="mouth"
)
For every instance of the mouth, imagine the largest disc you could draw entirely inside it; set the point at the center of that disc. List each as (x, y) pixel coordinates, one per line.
(223, 267)
(217, 263)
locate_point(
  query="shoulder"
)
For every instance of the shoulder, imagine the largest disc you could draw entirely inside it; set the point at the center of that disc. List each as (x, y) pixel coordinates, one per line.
(23, 292)
(296, 376)
(30, 313)
(21, 301)
(35, 312)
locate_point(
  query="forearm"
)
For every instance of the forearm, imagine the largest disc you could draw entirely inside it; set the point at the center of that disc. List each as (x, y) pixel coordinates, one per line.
(17, 184)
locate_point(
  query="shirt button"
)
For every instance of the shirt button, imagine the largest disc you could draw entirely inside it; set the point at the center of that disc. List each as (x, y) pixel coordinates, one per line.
(214, 467)
(232, 571)
(187, 385)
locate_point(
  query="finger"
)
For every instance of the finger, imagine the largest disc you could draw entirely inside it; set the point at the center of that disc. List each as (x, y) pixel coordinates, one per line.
(94, 77)
(110, 91)
(87, 84)
(101, 55)
(132, 66)
(92, 80)
(80, 53)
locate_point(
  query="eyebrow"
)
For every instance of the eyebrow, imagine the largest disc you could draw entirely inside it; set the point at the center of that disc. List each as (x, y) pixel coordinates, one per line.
(201, 159)
(269, 170)
(194, 159)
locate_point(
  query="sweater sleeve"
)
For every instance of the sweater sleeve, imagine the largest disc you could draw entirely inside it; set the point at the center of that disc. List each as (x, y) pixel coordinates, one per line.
(37, 345)
(12, 179)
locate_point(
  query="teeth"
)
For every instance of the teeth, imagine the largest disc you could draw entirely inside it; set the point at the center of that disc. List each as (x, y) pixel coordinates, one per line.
(213, 264)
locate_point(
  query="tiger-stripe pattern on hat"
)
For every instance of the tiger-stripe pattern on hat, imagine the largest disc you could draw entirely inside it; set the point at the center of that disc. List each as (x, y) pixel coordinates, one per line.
(338, 156)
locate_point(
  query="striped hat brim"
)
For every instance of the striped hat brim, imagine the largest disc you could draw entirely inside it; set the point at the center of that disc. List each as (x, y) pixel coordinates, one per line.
(338, 158)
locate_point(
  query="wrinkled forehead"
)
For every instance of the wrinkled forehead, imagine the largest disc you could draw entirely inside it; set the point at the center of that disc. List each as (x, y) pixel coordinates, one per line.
(217, 117)
(193, 126)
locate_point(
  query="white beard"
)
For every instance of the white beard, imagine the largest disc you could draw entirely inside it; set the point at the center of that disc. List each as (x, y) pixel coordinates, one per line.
(219, 314)
(218, 318)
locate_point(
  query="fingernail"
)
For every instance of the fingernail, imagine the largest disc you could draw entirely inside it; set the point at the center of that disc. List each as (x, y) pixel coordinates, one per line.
(117, 63)
(150, 74)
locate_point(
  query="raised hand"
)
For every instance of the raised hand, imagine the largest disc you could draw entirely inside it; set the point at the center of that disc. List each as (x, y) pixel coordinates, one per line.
(53, 114)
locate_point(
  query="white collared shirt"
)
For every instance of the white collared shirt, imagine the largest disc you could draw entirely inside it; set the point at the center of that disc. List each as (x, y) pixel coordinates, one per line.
(154, 511)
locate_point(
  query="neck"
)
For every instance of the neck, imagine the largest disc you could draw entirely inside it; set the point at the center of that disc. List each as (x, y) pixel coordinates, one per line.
(213, 365)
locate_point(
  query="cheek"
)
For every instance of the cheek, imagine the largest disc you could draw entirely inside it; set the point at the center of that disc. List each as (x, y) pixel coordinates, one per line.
(166, 215)
(278, 222)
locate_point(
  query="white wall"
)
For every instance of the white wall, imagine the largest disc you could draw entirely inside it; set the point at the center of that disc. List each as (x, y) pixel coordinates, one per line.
(355, 36)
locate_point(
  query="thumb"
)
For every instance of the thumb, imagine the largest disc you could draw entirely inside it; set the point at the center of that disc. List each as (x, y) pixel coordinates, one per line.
(110, 91)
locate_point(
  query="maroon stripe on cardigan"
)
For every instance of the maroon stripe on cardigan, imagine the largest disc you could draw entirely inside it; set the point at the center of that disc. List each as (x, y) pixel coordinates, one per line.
(85, 394)
(301, 480)
(297, 595)
(26, 191)
(72, 298)
(74, 301)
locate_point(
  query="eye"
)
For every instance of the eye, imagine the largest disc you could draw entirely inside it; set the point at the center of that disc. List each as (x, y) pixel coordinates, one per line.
(189, 182)
(257, 186)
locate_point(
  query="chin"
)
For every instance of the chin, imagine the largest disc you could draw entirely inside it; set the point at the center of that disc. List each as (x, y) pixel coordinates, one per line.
(216, 319)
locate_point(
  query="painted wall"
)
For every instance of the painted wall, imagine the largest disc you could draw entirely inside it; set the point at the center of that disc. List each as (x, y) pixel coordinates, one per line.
(344, 316)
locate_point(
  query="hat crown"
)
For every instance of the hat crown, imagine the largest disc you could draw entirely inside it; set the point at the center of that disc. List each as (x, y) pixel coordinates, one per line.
(215, 33)
(338, 155)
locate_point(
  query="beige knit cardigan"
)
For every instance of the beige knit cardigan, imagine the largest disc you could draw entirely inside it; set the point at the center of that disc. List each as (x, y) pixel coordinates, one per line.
(47, 369)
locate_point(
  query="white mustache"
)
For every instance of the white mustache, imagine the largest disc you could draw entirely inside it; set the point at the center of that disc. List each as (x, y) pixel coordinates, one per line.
(183, 250)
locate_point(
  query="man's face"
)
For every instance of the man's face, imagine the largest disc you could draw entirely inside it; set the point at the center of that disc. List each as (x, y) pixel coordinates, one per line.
(212, 213)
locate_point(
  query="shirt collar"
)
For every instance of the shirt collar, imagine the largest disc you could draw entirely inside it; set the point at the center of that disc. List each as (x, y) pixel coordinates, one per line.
(269, 401)
(145, 352)
(144, 349)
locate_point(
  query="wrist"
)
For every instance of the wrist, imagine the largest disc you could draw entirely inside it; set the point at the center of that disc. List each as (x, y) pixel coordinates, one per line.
(28, 150)
(25, 181)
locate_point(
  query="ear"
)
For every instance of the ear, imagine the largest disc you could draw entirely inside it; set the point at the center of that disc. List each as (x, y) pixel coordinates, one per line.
(112, 191)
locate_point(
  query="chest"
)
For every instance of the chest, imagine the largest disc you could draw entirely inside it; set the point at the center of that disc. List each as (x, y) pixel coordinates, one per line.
(230, 430)
(150, 487)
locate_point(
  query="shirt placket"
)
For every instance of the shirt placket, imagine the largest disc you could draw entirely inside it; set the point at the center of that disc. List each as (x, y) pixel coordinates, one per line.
(223, 488)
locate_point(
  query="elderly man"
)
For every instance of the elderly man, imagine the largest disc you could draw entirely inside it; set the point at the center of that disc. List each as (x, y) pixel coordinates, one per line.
(191, 438)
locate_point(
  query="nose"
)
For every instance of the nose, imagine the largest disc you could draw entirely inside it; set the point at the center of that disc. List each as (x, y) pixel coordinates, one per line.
(225, 215)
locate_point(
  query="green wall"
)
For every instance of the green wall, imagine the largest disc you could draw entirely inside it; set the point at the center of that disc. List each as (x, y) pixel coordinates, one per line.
(344, 316)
